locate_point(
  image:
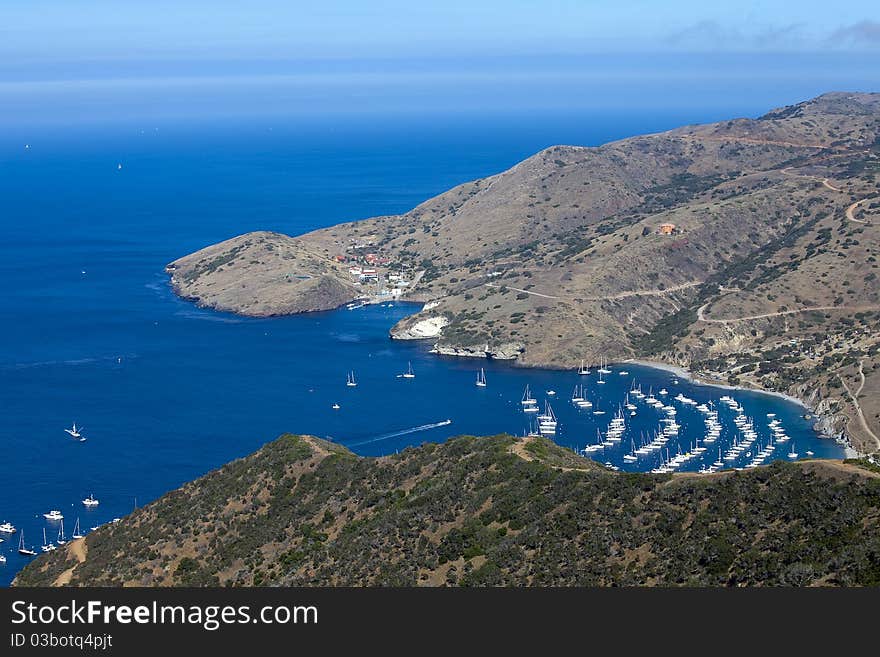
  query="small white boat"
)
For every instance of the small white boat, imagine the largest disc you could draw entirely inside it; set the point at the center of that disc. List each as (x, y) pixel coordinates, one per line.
(47, 546)
(90, 501)
(623, 373)
(335, 407)
(409, 374)
(552, 393)
(76, 531)
(7, 528)
(74, 431)
(28, 552)
(2, 559)
(481, 379)
(349, 380)
(62, 539)
(54, 514)
(792, 454)
(809, 452)
(582, 370)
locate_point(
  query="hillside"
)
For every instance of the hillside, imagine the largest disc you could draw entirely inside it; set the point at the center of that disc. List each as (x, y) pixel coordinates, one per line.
(484, 511)
(771, 236)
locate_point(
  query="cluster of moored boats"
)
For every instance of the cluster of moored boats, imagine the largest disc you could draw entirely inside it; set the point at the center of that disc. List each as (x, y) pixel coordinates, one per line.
(745, 447)
(53, 516)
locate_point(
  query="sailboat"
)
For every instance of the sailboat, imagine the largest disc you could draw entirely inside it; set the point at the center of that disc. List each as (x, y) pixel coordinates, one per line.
(61, 540)
(631, 457)
(600, 377)
(76, 531)
(792, 454)
(583, 370)
(604, 369)
(47, 546)
(481, 378)
(349, 380)
(595, 447)
(22, 549)
(409, 374)
(74, 431)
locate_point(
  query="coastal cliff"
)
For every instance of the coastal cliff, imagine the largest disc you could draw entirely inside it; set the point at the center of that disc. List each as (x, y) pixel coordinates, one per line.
(496, 511)
(745, 248)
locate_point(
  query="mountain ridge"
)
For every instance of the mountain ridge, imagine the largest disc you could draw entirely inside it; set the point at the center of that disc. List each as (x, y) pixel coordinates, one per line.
(494, 511)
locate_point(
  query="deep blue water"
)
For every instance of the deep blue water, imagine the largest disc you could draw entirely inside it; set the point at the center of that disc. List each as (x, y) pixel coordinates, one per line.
(90, 332)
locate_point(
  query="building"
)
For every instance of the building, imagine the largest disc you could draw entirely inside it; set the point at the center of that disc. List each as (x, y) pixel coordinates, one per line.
(667, 229)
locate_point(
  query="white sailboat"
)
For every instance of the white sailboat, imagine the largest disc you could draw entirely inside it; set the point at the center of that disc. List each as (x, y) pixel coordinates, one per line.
(61, 540)
(792, 454)
(75, 431)
(47, 546)
(481, 379)
(76, 531)
(409, 374)
(604, 369)
(349, 380)
(583, 370)
(22, 549)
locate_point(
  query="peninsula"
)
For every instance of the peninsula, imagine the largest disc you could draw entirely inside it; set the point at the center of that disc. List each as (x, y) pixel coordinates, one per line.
(745, 251)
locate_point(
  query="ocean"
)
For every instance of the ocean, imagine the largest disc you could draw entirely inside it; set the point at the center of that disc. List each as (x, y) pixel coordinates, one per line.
(165, 391)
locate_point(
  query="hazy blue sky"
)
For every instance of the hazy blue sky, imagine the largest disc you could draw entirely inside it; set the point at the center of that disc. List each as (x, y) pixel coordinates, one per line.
(47, 29)
(68, 59)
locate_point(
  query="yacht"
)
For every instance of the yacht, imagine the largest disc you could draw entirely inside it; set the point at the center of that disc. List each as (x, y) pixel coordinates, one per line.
(409, 374)
(481, 378)
(54, 514)
(28, 552)
(335, 407)
(2, 559)
(7, 528)
(90, 501)
(349, 380)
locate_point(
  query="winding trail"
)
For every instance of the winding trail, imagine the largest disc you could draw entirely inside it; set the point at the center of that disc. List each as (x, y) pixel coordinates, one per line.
(856, 405)
(850, 211)
(610, 297)
(701, 310)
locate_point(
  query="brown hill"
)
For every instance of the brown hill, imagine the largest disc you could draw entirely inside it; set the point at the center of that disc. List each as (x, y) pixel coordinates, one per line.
(772, 236)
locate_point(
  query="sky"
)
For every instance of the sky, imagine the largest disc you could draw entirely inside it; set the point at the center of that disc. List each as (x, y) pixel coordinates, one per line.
(65, 60)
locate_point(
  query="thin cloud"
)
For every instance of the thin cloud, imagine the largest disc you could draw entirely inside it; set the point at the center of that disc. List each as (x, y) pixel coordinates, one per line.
(861, 33)
(711, 35)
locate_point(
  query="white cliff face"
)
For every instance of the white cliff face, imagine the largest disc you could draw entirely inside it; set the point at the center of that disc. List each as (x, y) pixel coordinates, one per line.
(430, 327)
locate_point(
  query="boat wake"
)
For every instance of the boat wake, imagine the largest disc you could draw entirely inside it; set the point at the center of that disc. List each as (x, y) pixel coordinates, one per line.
(402, 432)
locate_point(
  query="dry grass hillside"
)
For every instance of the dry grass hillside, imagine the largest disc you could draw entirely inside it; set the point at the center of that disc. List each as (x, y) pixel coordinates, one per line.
(562, 257)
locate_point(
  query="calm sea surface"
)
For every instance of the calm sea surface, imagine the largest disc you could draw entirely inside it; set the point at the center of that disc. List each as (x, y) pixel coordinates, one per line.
(90, 332)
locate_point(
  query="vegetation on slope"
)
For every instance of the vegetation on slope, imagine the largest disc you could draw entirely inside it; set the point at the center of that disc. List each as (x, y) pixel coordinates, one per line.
(486, 511)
